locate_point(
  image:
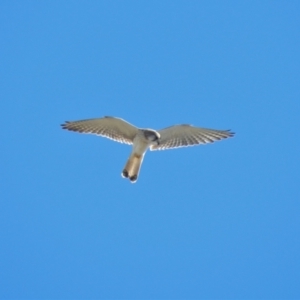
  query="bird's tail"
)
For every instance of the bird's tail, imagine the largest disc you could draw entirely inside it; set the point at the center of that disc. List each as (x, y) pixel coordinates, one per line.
(132, 167)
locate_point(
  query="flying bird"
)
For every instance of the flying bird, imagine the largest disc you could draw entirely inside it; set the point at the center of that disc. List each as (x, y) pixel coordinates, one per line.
(142, 139)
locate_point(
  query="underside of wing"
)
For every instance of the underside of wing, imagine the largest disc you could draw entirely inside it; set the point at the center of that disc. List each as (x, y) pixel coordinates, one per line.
(187, 135)
(113, 128)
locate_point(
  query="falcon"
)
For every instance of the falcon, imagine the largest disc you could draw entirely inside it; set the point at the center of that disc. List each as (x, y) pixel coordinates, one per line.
(143, 139)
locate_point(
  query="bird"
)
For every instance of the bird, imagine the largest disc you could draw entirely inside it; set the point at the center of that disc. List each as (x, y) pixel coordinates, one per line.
(143, 139)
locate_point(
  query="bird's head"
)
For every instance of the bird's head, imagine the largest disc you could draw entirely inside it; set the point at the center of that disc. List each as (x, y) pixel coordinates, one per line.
(151, 135)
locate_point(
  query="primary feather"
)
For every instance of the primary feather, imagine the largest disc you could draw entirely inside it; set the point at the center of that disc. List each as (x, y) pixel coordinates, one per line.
(187, 135)
(113, 128)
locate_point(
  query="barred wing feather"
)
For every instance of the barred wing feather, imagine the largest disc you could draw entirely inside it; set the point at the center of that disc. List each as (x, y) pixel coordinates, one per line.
(113, 128)
(187, 135)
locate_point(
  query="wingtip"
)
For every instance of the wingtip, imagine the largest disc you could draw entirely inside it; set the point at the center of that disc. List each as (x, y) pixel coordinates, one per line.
(64, 125)
(231, 133)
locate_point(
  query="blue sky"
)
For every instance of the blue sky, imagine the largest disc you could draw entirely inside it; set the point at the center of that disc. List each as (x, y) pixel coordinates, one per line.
(216, 221)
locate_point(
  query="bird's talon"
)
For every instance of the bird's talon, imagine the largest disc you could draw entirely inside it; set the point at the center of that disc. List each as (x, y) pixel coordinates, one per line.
(125, 174)
(133, 178)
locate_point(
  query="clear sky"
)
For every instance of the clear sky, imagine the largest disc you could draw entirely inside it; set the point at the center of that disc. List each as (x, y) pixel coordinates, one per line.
(215, 221)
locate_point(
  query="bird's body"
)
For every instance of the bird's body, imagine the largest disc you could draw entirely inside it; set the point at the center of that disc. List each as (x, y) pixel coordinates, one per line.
(141, 143)
(142, 139)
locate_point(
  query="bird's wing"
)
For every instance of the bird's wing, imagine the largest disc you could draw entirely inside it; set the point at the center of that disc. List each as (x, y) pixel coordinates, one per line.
(187, 135)
(113, 128)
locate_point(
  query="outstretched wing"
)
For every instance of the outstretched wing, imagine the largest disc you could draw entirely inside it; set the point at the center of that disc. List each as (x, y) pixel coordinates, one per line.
(113, 128)
(187, 135)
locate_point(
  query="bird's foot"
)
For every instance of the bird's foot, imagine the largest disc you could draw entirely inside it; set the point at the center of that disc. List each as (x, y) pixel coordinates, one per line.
(125, 174)
(133, 178)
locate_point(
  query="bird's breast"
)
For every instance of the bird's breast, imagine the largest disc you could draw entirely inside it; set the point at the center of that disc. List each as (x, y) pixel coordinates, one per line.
(140, 145)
